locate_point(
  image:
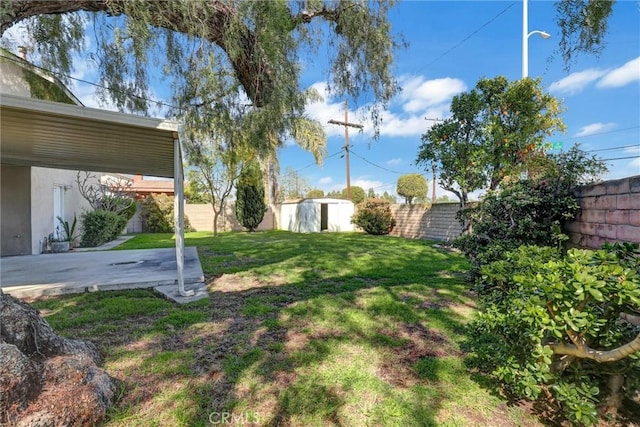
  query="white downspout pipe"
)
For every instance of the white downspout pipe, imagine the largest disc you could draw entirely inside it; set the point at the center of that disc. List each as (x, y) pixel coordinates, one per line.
(178, 213)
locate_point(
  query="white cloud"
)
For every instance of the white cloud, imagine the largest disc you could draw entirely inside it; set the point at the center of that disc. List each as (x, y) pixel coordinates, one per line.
(393, 162)
(621, 76)
(419, 94)
(325, 180)
(576, 82)
(366, 184)
(420, 98)
(594, 128)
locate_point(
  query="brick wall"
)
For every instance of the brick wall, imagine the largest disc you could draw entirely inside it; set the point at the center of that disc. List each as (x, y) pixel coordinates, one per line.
(437, 222)
(610, 211)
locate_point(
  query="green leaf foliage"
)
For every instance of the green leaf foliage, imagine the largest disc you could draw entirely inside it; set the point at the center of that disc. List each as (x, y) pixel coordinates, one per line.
(100, 226)
(412, 186)
(357, 194)
(316, 192)
(157, 214)
(536, 300)
(250, 197)
(528, 211)
(494, 130)
(374, 217)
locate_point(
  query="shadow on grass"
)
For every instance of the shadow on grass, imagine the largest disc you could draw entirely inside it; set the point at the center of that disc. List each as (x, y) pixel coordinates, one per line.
(335, 329)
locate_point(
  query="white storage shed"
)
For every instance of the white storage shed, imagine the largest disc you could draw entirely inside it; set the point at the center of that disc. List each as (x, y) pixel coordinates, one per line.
(315, 215)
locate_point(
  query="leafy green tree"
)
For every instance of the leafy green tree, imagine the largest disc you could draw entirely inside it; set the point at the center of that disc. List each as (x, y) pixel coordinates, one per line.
(442, 199)
(494, 131)
(335, 194)
(371, 194)
(412, 186)
(389, 198)
(250, 197)
(316, 192)
(357, 194)
(195, 193)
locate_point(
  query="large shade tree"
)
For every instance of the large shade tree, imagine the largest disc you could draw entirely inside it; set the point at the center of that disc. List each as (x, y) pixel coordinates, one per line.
(260, 44)
(200, 45)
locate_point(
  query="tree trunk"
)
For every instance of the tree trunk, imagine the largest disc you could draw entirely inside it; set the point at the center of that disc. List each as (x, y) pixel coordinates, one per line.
(250, 66)
(46, 379)
(216, 214)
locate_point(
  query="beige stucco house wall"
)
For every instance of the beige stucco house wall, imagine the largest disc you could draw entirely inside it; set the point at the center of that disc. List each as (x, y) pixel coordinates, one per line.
(31, 197)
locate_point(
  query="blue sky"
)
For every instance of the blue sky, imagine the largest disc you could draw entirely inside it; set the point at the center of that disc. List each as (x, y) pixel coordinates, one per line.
(601, 95)
(451, 45)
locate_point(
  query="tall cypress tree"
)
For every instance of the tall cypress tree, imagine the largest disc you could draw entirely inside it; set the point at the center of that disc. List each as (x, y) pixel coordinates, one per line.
(250, 203)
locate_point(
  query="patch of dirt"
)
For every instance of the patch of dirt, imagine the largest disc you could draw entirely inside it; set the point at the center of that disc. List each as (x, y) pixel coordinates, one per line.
(295, 341)
(498, 418)
(233, 283)
(420, 343)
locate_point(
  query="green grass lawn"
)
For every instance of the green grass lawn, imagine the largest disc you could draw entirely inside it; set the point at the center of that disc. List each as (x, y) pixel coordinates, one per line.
(299, 329)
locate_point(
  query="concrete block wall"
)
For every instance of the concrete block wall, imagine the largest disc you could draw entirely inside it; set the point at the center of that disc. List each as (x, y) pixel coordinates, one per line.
(201, 218)
(436, 223)
(610, 211)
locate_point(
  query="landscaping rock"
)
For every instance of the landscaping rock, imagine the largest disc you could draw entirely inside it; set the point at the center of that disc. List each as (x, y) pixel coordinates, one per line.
(45, 379)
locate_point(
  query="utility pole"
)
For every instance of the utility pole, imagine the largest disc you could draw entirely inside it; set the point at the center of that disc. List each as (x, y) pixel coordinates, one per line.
(347, 125)
(433, 168)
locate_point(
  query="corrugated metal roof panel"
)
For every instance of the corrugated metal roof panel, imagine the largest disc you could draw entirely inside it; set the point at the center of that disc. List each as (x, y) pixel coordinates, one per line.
(48, 134)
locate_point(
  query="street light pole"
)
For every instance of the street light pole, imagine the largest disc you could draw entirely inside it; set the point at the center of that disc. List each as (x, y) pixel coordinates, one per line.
(525, 38)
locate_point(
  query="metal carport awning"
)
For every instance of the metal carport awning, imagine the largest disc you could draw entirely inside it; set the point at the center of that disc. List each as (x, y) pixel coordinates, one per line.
(64, 136)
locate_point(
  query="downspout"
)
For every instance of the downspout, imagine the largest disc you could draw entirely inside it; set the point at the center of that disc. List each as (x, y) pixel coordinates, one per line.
(178, 212)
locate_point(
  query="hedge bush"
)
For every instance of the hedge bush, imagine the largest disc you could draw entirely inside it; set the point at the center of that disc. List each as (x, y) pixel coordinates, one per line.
(374, 217)
(100, 226)
(528, 212)
(156, 212)
(562, 329)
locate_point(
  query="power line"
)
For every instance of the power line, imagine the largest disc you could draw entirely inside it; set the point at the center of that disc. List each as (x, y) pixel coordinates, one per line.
(605, 133)
(57, 73)
(614, 148)
(386, 169)
(621, 158)
(310, 164)
(470, 35)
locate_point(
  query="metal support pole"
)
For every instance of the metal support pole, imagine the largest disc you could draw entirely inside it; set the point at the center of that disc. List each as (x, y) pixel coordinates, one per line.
(525, 38)
(178, 212)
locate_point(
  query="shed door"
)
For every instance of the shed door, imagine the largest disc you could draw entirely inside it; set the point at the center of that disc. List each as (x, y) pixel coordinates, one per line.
(324, 216)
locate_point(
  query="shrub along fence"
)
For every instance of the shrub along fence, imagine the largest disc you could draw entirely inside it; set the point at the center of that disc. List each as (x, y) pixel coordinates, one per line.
(610, 212)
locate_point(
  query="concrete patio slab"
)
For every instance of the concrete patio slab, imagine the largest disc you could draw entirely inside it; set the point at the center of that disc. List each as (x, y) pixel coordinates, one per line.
(74, 272)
